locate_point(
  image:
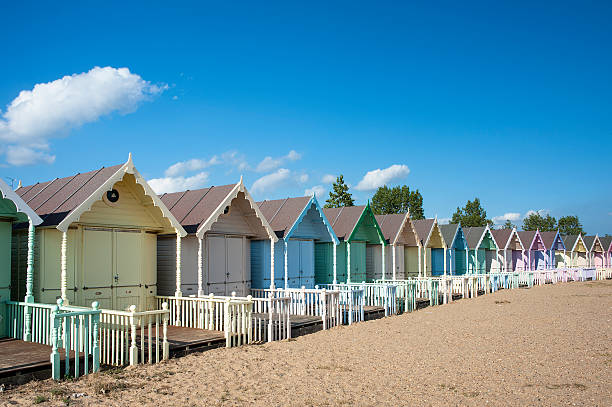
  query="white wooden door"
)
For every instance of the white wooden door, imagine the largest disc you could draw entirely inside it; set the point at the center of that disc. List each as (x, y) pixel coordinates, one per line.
(217, 264)
(127, 285)
(97, 267)
(235, 266)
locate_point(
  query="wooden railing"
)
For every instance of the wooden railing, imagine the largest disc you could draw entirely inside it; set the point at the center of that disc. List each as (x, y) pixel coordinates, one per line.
(232, 316)
(377, 294)
(37, 330)
(271, 318)
(314, 302)
(122, 331)
(603, 273)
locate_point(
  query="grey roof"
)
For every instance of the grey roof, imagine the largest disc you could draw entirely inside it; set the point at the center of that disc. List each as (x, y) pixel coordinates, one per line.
(192, 207)
(54, 200)
(344, 219)
(570, 241)
(606, 242)
(282, 213)
(527, 237)
(502, 236)
(473, 236)
(589, 241)
(448, 232)
(390, 224)
(548, 238)
(423, 228)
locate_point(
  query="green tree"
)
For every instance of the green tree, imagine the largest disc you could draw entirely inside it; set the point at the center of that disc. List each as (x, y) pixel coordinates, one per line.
(536, 221)
(471, 215)
(570, 225)
(398, 200)
(508, 225)
(339, 195)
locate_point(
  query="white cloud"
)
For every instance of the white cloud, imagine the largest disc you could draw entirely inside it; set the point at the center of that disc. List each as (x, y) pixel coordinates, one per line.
(303, 178)
(328, 179)
(175, 184)
(272, 181)
(541, 212)
(194, 164)
(21, 155)
(511, 216)
(269, 163)
(52, 109)
(318, 190)
(378, 178)
(444, 221)
(236, 159)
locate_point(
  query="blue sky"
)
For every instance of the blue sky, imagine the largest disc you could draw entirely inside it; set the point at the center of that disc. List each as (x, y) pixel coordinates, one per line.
(510, 102)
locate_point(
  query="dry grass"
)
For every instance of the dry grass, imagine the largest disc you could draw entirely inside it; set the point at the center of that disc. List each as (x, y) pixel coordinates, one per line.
(548, 346)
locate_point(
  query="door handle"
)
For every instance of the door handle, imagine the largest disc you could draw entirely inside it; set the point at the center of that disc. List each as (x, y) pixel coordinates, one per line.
(116, 278)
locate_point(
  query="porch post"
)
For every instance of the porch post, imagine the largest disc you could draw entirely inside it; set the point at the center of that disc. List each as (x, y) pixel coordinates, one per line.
(467, 261)
(178, 292)
(285, 250)
(63, 275)
(200, 262)
(334, 248)
(272, 278)
(29, 297)
(565, 258)
(497, 260)
(394, 262)
(424, 261)
(384, 249)
(445, 266)
(506, 260)
(348, 262)
(420, 261)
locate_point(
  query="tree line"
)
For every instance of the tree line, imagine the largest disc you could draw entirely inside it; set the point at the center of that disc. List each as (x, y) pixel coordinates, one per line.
(401, 199)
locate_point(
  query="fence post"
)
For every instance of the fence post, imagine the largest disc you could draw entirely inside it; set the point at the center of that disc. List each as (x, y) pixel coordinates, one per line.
(249, 321)
(96, 331)
(133, 347)
(324, 311)
(303, 306)
(55, 356)
(270, 316)
(165, 344)
(227, 323)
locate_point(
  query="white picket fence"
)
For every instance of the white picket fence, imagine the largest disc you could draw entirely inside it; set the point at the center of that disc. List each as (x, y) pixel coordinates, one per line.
(271, 318)
(232, 316)
(308, 301)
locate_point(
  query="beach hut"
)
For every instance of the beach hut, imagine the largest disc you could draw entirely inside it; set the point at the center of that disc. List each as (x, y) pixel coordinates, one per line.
(536, 251)
(596, 251)
(359, 233)
(399, 231)
(304, 251)
(216, 255)
(554, 248)
(578, 252)
(98, 239)
(16, 287)
(606, 242)
(433, 247)
(513, 249)
(483, 250)
(456, 248)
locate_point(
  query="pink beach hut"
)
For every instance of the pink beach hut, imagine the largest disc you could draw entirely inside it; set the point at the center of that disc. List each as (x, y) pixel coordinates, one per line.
(536, 250)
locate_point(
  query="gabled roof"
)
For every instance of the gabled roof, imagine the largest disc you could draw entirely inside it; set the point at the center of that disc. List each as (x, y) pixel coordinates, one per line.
(571, 241)
(393, 224)
(549, 238)
(503, 236)
(475, 235)
(345, 220)
(423, 229)
(527, 237)
(449, 233)
(606, 243)
(590, 241)
(62, 201)
(285, 215)
(21, 207)
(199, 209)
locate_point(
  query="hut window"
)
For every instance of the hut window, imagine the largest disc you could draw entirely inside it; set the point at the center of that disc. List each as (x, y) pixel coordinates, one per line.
(226, 210)
(111, 197)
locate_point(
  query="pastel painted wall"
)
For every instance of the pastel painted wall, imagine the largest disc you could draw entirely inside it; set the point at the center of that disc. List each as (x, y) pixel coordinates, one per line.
(411, 261)
(5, 271)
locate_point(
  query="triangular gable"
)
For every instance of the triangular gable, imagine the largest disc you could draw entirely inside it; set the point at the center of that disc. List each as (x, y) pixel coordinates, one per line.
(127, 168)
(596, 246)
(579, 240)
(482, 237)
(219, 210)
(537, 239)
(20, 206)
(406, 224)
(434, 226)
(366, 215)
(328, 226)
(552, 244)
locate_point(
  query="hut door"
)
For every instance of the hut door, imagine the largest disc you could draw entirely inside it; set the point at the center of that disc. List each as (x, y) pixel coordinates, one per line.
(226, 265)
(235, 266)
(324, 267)
(127, 278)
(98, 267)
(358, 262)
(306, 275)
(216, 265)
(293, 264)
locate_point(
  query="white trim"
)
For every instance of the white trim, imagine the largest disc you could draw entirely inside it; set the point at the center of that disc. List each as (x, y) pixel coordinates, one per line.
(483, 235)
(127, 168)
(22, 207)
(205, 227)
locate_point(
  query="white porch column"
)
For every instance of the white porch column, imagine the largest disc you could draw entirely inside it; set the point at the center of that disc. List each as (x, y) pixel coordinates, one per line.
(497, 260)
(334, 248)
(564, 258)
(178, 292)
(200, 272)
(348, 262)
(285, 250)
(384, 272)
(506, 260)
(467, 261)
(272, 278)
(445, 265)
(29, 297)
(424, 261)
(63, 275)
(420, 261)
(394, 262)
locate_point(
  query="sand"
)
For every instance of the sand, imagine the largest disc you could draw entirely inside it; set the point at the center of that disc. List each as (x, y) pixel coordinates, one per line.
(549, 346)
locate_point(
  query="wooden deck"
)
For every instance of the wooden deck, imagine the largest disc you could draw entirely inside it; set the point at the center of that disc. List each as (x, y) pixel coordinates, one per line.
(17, 356)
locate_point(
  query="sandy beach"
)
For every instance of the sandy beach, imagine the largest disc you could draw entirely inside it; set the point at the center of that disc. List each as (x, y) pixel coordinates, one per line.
(548, 346)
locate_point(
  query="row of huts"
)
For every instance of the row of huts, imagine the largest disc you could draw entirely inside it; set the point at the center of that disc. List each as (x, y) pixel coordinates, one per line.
(105, 235)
